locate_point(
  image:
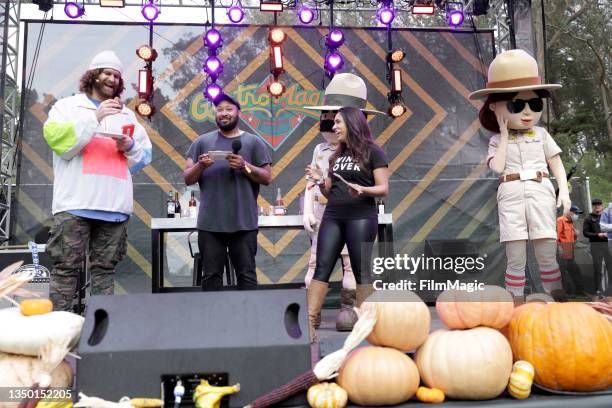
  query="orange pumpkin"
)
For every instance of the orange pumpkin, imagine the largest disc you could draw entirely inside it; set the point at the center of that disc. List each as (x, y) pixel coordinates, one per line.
(31, 307)
(375, 376)
(402, 320)
(569, 345)
(491, 307)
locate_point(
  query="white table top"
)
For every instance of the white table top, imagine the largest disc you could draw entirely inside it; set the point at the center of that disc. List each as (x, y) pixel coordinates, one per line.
(279, 221)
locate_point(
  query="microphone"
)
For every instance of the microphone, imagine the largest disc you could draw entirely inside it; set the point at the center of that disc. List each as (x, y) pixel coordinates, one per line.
(236, 146)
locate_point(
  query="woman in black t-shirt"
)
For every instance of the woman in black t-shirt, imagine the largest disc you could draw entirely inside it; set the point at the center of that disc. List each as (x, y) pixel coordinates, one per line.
(358, 172)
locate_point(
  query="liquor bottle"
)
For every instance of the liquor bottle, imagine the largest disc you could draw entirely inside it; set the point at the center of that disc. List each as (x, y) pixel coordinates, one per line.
(193, 206)
(381, 206)
(279, 204)
(177, 206)
(170, 205)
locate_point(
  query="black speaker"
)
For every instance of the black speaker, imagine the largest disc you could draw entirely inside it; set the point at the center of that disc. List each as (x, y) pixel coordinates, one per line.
(137, 344)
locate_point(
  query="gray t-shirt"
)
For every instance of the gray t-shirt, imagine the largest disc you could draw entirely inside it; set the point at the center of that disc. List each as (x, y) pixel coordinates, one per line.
(228, 199)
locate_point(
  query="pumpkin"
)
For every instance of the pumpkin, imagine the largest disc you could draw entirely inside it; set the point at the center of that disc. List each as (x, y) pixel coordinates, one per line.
(569, 345)
(28, 334)
(30, 307)
(472, 364)
(375, 376)
(326, 395)
(402, 320)
(460, 309)
(521, 379)
(432, 395)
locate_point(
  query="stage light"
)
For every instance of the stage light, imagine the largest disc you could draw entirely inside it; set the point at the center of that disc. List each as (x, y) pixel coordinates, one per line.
(112, 3)
(74, 9)
(396, 110)
(145, 83)
(396, 80)
(276, 88)
(306, 14)
(334, 61)
(235, 14)
(212, 39)
(213, 66)
(454, 13)
(334, 39)
(146, 53)
(385, 15)
(271, 6)
(212, 92)
(277, 59)
(276, 36)
(396, 56)
(423, 8)
(44, 5)
(150, 11)
(145, 109)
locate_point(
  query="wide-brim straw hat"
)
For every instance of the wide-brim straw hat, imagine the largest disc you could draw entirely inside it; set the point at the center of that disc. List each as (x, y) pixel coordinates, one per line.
(345, 90)
(512, 71)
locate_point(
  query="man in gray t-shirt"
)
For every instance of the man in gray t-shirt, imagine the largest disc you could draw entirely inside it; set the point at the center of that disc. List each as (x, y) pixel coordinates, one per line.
(229, 187)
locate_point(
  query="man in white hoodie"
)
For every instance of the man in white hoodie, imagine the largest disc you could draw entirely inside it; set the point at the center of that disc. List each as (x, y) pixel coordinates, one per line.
(97, 143)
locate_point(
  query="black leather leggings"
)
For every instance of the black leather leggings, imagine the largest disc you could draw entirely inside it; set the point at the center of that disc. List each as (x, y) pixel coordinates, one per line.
(358, 235)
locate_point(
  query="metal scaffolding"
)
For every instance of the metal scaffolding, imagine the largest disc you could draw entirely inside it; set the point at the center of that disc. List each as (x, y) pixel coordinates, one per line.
(9, 110)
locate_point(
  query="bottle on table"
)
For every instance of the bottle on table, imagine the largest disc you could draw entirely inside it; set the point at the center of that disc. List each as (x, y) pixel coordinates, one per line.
(193, 206)
(381, 206)
(279, 204)
(177, 206)
(170, 206)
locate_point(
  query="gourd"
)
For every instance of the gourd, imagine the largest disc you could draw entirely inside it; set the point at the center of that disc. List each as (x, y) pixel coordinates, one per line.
(30, 307)
(521, 379)
(327, 395)
(432, 395)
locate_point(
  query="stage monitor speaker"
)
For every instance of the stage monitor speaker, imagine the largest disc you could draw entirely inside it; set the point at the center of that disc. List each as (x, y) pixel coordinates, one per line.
(137, 344)
(449, 248)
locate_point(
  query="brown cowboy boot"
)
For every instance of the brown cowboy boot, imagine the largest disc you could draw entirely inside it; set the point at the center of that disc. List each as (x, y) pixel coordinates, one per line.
(347, 317)
(316, 296)
(362, 293)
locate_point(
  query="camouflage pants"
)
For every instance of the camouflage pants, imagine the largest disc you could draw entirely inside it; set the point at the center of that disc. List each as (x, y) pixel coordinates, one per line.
(70, 237)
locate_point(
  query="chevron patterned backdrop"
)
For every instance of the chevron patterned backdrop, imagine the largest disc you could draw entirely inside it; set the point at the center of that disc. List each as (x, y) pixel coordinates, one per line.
(439, 189)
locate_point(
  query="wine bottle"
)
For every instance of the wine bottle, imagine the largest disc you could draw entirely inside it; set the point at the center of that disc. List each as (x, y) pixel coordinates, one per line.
(381, 206)
(193, 206)
(177, 206)
(170, 207)
(279, 204)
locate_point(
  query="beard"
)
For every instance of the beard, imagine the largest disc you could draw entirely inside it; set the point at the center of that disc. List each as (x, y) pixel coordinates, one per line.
(227, 126)
(102, 90)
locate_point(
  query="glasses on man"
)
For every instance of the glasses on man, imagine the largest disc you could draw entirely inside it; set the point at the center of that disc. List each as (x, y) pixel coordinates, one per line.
(517, 105)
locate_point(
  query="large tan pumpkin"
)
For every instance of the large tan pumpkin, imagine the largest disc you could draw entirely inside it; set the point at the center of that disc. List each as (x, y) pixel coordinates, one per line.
(17, 371)
(491, 307)
(402, 320)
(374, 376)
(472, 364)
(569, 345)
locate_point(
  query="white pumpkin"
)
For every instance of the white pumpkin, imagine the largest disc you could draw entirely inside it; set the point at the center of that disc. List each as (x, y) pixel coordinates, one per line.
(470, 364)
(27, 334)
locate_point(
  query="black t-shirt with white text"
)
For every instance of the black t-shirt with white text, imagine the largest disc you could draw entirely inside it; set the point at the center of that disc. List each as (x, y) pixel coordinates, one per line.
(340, 202)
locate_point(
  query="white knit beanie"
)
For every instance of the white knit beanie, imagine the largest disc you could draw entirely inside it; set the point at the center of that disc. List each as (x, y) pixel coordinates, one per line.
(106, 59)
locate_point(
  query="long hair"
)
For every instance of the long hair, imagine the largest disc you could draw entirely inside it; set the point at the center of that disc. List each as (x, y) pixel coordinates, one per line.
(487, 117)
(87, 82)
(358, 137)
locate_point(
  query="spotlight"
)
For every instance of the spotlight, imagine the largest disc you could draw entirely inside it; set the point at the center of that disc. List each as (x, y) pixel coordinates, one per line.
(74, 9)
(212, 92)
(150, 11)
(213, 66)
(396, 110)
(146, 109)
(277, 59)
(423, 7)
(334, 61)
(306, 14)
(454, 13)
(146, 53)
(334, 39)
(112, 3)
(385, 15)
(271, 6)
(235, 14)
(276, 36)
(44, 5)
(395, 56)
(213, 39)
(276, 88)
(145, 83)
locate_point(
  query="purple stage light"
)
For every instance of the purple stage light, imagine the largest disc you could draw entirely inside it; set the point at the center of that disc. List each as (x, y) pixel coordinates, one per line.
(74, 9)
(334, 61)
(306, 15)
(150, 11)
(386, 15)
(213, 39)
(455, 18)
(213, 66)
(335, 38)
(212, 92)
(235, 14)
